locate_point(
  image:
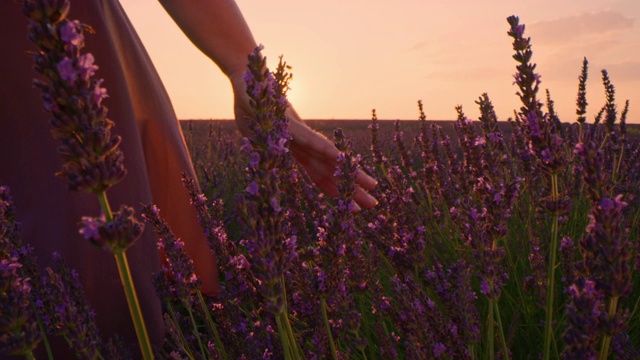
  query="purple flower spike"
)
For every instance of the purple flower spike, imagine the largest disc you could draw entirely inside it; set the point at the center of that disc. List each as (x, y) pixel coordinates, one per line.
(67, 312)
(71, 34)
(253, 188)
(263, 206)
(585, 312)
(92, 159)
(19, 332)
(118, 234)
(539, 129)
(67, 71)
(180, 269)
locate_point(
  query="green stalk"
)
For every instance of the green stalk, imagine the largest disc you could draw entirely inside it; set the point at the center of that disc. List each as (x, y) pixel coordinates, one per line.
(219, 346)
(332, 345)
(606, 339)
(29, 355)
(551, 273)
(286, 348)
(505, 349)
(134, 305)
(296, 351)
(45, 339)
(618, 163)
(365, 326)
(104, 204)
(195, 330)
(183, 341)
(490, 332)
(635, 309)
(129, 287)
(579, 131)
(295, 347)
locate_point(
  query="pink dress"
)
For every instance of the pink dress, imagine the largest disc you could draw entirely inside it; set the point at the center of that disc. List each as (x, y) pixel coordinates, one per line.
(152, 143)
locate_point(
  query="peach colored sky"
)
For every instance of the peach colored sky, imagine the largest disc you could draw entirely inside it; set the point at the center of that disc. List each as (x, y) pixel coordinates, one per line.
(350, 56)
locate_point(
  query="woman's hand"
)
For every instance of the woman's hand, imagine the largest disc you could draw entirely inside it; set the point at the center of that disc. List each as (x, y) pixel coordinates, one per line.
(312, 150)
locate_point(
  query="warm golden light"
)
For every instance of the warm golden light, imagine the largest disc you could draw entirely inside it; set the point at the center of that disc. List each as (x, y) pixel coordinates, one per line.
(351, 56)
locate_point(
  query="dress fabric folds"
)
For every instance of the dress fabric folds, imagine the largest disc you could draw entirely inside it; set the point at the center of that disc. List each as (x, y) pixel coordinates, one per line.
(152, 143)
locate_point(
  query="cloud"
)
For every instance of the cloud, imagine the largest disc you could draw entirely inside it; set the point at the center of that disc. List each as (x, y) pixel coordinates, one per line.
(624, 71)
(419, 45)
(593, 25)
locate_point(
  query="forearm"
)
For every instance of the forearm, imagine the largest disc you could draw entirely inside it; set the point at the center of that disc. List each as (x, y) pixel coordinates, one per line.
(217, 28)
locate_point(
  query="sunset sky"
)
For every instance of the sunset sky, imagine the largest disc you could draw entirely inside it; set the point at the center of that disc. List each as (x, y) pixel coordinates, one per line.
(350, 56)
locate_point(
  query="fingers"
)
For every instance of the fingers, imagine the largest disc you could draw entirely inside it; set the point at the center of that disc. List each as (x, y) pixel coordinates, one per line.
(366, 181)
(321, 173)
(364, 199)
(318, 156)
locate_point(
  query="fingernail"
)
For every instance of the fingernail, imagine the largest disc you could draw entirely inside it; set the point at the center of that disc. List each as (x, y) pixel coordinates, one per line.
(372, 200)
(356, 207)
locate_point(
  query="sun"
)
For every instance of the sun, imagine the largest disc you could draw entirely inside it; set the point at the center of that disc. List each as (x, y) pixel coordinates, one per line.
(297, 95)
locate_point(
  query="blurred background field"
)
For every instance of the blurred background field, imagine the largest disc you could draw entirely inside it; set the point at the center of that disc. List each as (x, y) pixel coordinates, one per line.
(199, 132)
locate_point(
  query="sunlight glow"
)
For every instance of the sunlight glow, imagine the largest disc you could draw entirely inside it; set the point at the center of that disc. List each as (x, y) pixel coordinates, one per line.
(395, 54)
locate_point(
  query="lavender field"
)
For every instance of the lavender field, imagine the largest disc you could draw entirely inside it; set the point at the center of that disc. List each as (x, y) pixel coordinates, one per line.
(421, 238)
(491, 240)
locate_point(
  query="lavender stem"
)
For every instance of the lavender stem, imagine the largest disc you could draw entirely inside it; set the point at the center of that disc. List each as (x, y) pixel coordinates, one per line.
(182, 339)
(134, 305)
(606, 338)
(196, 333)
(490, 331)
(552, 272)
(128, 286)
(323, 306)
(219, 346)
(104, 204)
(286, 348)
(505, 349)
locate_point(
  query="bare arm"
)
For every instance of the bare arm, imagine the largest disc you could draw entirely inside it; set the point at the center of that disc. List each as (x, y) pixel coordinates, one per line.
(218, 29)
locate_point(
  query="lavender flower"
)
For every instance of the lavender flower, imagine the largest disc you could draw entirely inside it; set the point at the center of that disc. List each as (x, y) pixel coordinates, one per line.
(544, 141)
(93, 161)
(339, 240)
(567, 254)
(67, 312)
(342, 267)
(585, 312)
(623, 348)
(118, 234)
(423, 328)
(582, 92)
(623, 119)
(611, 113)
(537, 280)
(378, 157)
(482, 217)
(527, 80)
(544, 137)
(180, 268)
(453, 287)
(270, 250)
(428, 149)
(405, 154)
(604, 248)
(237, 281)
(556, 125)
(471, 150)
(19, 332)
